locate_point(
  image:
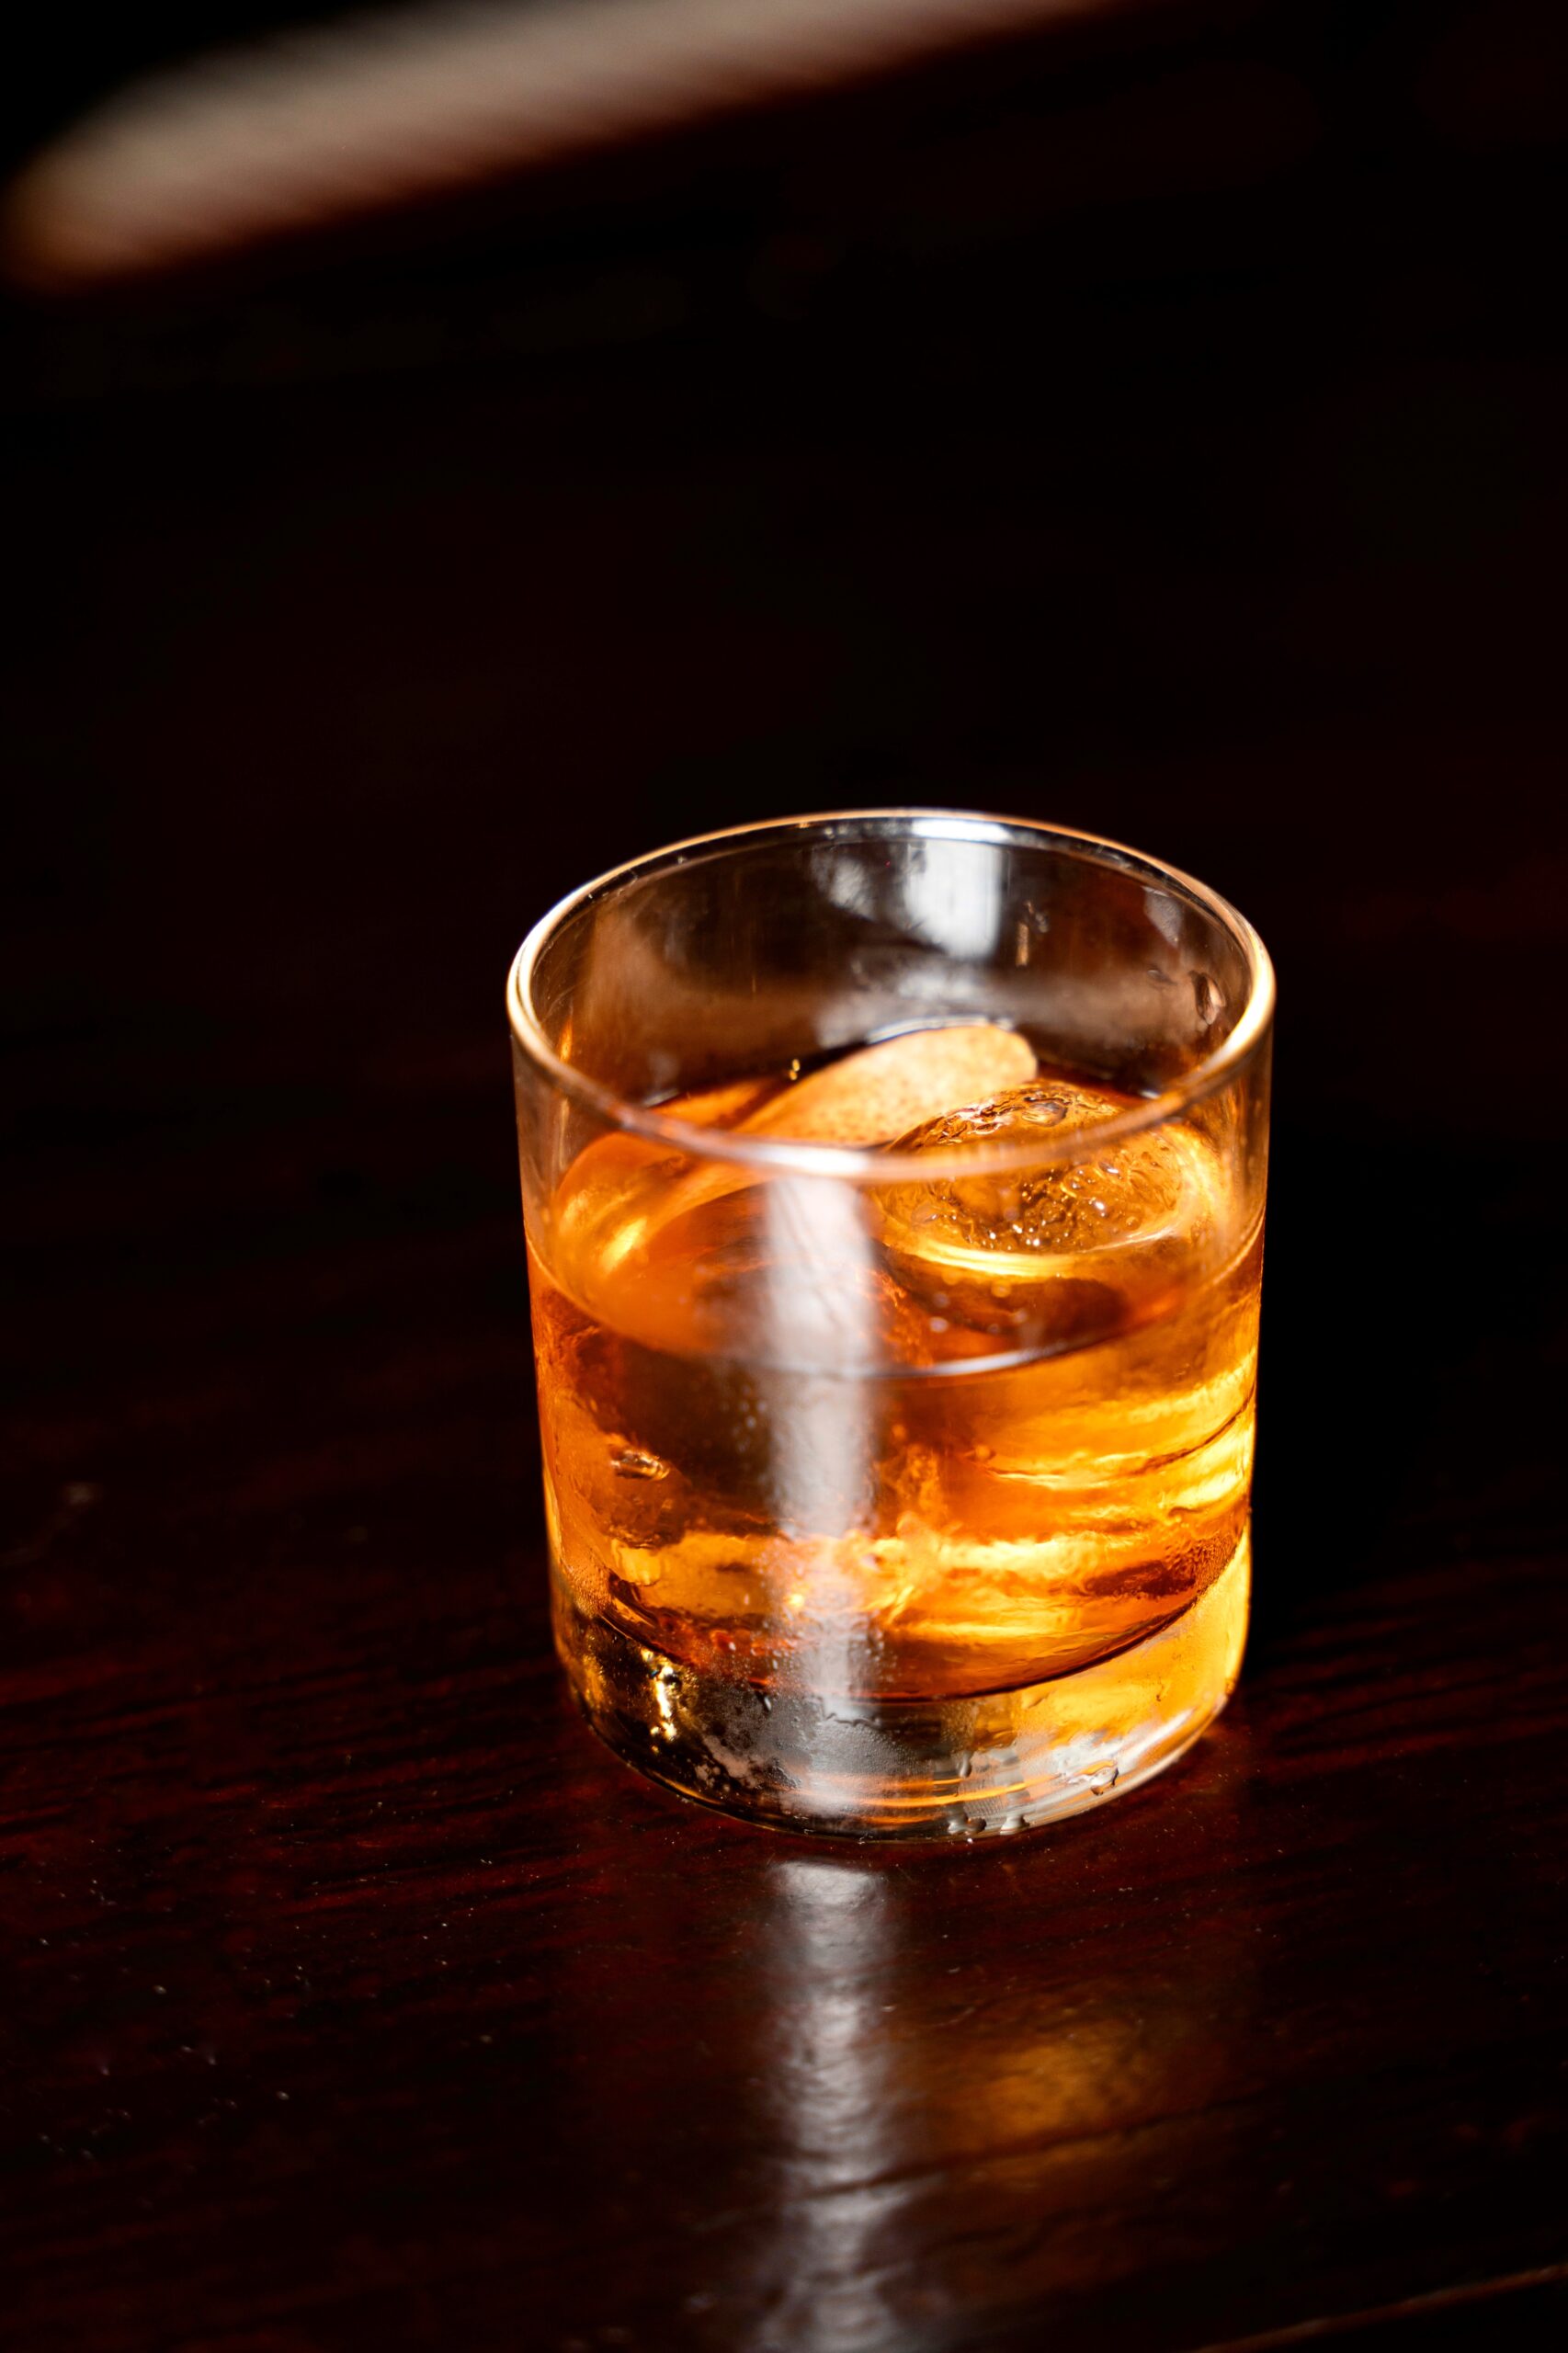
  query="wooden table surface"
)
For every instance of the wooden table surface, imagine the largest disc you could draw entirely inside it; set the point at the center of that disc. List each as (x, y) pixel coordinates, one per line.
(355, 1997)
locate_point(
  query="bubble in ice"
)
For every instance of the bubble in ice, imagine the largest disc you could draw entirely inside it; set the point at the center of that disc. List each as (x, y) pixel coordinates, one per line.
(1082, 1203)
(1051, 1250)
(633, 1463)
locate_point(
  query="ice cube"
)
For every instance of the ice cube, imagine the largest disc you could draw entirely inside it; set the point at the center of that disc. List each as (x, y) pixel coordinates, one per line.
(1063, 1251)
(781, 1270)
(647, 1236)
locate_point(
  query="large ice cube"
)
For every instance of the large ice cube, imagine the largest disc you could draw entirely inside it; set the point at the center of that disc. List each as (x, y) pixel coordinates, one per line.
(691, 1254)
(1063, 1251)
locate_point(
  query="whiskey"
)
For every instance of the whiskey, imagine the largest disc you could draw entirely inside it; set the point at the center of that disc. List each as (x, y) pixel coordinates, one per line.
(850, 1486)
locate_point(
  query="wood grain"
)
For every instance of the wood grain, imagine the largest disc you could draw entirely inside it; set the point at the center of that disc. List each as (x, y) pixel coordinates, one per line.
(357, 1994)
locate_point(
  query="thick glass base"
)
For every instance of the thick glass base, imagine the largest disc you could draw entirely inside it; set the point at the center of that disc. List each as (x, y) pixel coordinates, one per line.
(911, 1769)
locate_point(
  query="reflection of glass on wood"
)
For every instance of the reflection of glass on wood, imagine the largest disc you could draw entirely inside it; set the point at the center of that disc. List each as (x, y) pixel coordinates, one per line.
(831, 2076)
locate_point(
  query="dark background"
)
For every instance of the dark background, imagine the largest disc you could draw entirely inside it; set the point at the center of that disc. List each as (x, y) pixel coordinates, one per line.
(1156, 426)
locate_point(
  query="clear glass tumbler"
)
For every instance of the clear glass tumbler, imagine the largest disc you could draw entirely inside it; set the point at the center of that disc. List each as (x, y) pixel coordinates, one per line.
(893, 1184)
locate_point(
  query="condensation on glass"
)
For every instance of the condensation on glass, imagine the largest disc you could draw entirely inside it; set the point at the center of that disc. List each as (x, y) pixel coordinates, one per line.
(894, 1185)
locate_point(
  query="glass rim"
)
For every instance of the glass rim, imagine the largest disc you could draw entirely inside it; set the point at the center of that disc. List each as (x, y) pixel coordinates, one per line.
(876, 1163)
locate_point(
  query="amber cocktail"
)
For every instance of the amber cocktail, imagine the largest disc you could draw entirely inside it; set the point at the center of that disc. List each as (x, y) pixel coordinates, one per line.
(894, 1186)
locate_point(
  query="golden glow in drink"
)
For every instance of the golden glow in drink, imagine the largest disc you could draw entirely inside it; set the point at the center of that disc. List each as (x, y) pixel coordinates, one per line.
(850, 1486)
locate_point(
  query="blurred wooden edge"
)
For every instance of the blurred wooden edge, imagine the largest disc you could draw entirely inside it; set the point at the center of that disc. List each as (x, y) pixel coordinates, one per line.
(377, 112)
